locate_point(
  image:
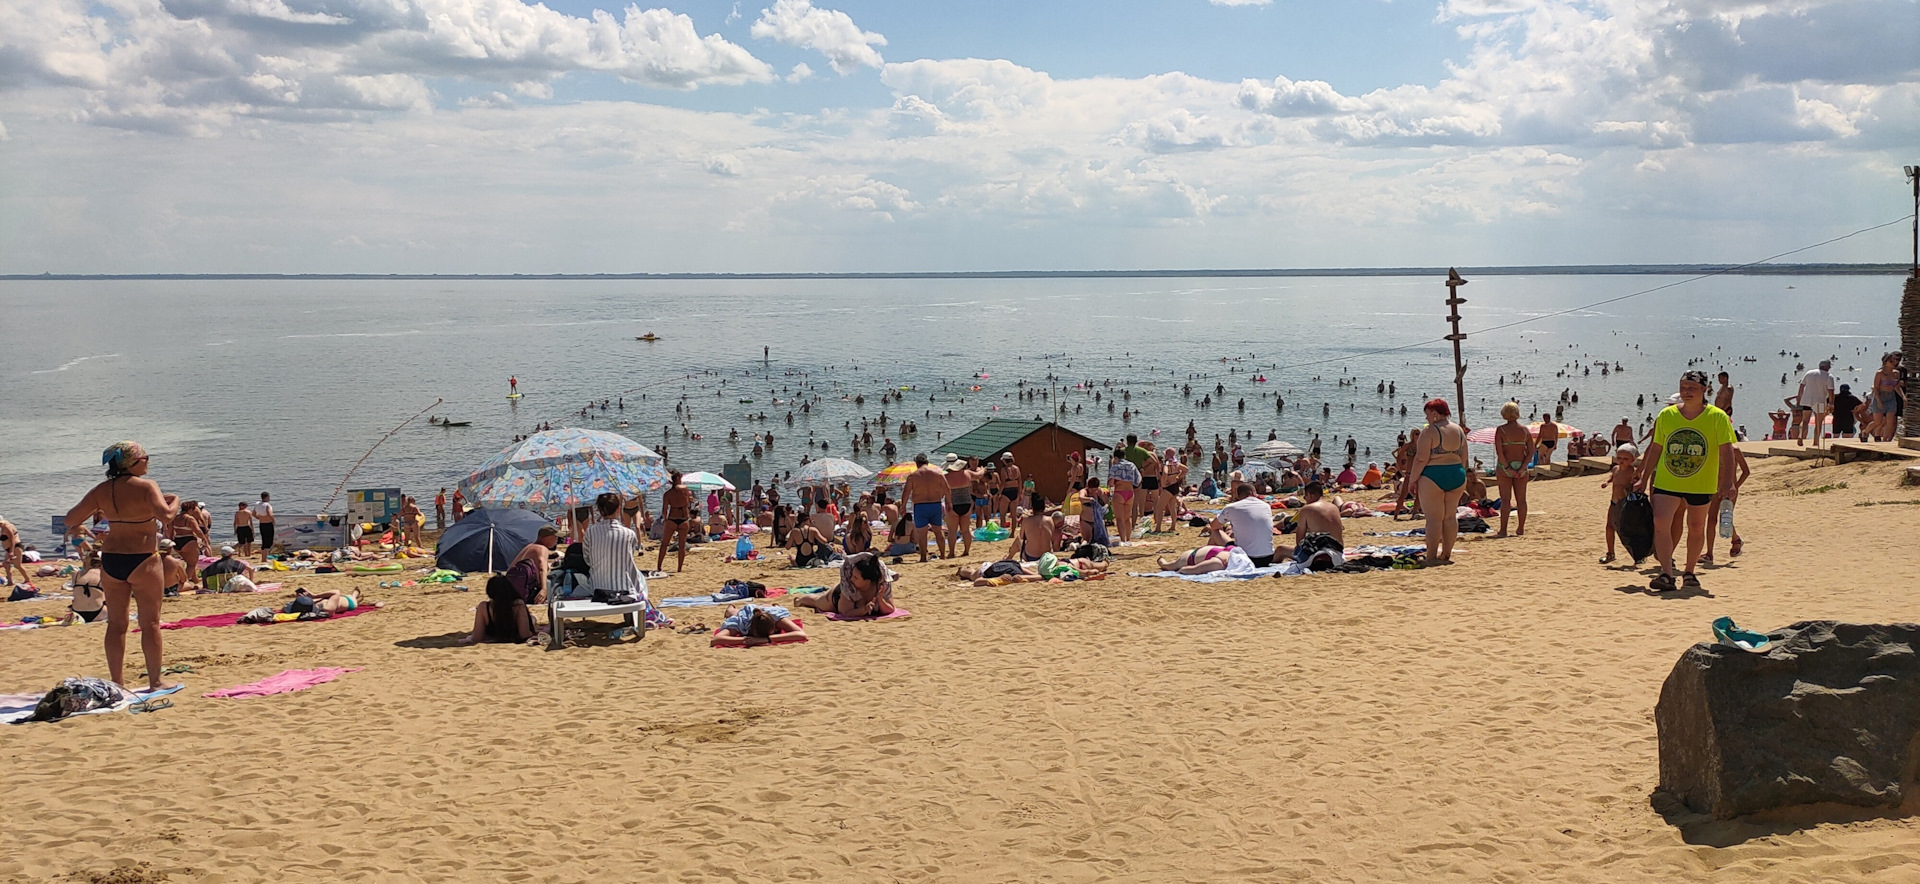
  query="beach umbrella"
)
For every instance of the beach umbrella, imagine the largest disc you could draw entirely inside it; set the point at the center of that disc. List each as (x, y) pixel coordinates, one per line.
(896, 474)
(1483, 436)
(1565, 430)
(831, 469)
(1273, 448)
(704, 481)
(564, 468)
(1253, 468)
(486, 540)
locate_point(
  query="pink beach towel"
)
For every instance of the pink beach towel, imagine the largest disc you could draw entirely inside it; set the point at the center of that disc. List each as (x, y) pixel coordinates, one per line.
(233, 618)
(898, 614)
(284, 683)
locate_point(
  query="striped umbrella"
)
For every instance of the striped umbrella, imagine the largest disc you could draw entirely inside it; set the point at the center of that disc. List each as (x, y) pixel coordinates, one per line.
(706, 482)
(896, 474)
(564, 468)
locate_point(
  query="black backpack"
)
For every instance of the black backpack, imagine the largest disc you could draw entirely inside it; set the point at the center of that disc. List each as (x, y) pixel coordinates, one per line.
(1636, 526)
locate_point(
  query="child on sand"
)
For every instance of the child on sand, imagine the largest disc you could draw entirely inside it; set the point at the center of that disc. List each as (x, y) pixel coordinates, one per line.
(1621, 479)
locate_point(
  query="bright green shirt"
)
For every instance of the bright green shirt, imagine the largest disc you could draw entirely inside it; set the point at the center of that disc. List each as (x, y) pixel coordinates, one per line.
(1690, 449)
(1135, 454)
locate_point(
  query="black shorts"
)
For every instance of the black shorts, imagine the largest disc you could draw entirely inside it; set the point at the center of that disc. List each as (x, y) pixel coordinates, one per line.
(266, 534)
(1149, 483)
(1691, 499)
(243, 534)
(1261, 561)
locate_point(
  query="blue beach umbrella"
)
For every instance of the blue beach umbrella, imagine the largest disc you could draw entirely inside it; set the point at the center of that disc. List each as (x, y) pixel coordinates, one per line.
(563, 469)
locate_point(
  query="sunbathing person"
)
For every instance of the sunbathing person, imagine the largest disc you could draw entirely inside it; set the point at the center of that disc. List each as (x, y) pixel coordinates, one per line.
(1198, 561)
(504, 618)
(865, 590)
(859, 534)
(1318, 519)
(811, 549)
(1004, 572)
(1035, 535)
(89, 593)
(750, 625)
(328, 602)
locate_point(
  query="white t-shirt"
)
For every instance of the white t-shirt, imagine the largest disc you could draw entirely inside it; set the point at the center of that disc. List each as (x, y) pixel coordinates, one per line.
(263, 511)
(1252, 523)
(1815, 389)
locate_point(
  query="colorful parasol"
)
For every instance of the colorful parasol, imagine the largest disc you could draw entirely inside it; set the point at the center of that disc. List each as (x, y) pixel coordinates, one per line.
(896, 474)
(563, 469)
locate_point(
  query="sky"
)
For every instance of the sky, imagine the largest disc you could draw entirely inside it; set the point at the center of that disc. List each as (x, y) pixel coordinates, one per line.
(498, 136)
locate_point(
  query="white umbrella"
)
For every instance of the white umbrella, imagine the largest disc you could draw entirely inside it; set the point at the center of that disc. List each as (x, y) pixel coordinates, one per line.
(1254, 468)
(704, 481)
(831, 469)
(1273, 448)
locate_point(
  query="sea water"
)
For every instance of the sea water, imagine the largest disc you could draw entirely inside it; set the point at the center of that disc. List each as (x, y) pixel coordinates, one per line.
(240, 386)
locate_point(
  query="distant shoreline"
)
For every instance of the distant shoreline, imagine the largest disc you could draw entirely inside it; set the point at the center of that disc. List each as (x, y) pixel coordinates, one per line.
(1544, 270)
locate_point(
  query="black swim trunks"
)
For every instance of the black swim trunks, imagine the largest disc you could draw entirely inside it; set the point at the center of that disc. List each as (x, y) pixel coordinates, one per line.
(1691, 499)
(243, 534)
(1149, 483)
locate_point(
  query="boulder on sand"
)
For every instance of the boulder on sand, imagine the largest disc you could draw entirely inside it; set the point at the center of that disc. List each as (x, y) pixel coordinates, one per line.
(1829, 714)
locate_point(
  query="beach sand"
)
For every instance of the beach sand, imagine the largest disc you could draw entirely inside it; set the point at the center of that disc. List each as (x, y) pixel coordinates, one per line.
(1491, 721)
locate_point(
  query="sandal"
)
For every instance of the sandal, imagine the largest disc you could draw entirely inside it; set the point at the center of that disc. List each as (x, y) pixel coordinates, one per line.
(1735, 549)
(1706, 558)
(154, 705)
(1662, 582)
(1606, 559)
(1690, 581)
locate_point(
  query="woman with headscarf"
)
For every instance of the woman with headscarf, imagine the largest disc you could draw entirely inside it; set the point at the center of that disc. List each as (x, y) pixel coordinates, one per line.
(131, 570)
(1689, 468)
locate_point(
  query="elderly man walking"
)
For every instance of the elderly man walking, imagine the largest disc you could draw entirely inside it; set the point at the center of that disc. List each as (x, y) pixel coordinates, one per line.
(1816, 392)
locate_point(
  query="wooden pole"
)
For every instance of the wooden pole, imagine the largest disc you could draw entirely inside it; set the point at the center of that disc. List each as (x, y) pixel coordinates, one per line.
(1454, 282)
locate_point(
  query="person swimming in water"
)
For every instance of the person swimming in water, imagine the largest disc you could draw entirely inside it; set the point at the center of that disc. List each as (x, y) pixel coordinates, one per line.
(131, 569)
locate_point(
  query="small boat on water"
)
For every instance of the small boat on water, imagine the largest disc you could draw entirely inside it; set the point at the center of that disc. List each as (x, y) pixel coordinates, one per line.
(443, 422)
(649, 337)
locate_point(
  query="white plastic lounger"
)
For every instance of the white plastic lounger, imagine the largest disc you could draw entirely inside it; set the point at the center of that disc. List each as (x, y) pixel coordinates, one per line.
(560, 610)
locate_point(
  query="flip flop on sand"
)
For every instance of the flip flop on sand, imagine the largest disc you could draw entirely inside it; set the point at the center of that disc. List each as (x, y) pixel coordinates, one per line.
(1726, 633)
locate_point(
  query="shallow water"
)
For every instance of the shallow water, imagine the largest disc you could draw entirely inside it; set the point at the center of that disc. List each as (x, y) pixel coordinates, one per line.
(248, 385)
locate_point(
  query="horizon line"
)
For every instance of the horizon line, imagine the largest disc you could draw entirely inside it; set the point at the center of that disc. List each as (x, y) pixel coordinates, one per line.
(1809, 269)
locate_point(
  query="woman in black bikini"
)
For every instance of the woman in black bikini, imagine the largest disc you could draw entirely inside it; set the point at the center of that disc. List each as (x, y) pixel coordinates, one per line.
(131, 570)
(676, 521)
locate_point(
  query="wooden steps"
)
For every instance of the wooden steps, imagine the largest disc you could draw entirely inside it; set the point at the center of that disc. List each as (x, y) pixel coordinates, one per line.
(1847, 451)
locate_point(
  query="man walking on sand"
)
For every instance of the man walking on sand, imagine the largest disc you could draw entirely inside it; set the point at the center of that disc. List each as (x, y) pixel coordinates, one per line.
(1816, 393)
(926, 497)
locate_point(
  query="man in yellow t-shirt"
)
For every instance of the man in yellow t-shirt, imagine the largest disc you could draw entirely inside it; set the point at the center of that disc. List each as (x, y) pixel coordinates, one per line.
(1690, 468)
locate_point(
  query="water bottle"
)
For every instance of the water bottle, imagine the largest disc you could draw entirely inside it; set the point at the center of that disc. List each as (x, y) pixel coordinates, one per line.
(1726, 518)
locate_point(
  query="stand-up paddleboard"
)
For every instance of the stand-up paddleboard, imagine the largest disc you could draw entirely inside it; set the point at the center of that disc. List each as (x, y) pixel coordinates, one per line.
(515, 395)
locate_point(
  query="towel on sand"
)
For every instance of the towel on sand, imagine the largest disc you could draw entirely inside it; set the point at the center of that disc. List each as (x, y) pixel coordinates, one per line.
(723, 597)
(1277, 569)
(283, 683)
(17, 708)
(233, 618)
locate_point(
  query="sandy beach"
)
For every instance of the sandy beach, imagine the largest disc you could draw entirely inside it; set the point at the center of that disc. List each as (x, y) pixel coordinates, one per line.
(1490, 722)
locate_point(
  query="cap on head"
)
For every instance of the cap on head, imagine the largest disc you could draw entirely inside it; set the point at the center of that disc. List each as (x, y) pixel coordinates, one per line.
(1007, 456)
(226, 550)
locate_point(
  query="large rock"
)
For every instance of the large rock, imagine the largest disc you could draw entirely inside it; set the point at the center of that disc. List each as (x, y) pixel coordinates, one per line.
(1829, 714)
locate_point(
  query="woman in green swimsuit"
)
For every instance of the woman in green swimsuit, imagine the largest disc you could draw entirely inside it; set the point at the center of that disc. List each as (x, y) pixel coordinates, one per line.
(1440, 469)
(1514, 449)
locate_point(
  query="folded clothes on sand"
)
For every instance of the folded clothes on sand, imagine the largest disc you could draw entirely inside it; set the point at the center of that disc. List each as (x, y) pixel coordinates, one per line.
(282, 683)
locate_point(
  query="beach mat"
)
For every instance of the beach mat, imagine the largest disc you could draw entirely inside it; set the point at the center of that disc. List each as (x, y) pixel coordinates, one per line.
(695, 601)
(898, 614)
(233, 618)
(282, 683)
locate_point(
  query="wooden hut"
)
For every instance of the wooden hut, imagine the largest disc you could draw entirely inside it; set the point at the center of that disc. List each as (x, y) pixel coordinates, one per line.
(1038, 447)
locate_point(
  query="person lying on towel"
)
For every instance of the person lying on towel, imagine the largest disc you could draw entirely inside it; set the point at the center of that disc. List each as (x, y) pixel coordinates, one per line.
(1203, 560)
(750, 625)
(865, 590)
(1004, 572)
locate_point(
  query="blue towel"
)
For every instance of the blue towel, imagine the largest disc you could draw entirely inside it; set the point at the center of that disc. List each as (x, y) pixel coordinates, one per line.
(733, 593)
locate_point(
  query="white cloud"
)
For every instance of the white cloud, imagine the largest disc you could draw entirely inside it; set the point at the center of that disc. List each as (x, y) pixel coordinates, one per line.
(829, 32)
(197, 65)
(726, 165)
(800, 72)
(1240, 2)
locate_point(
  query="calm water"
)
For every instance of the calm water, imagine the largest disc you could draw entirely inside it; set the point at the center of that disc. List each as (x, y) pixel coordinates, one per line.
(242, 386)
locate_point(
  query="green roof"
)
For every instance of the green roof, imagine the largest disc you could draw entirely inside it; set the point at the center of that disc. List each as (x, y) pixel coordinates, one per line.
(998, 435)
